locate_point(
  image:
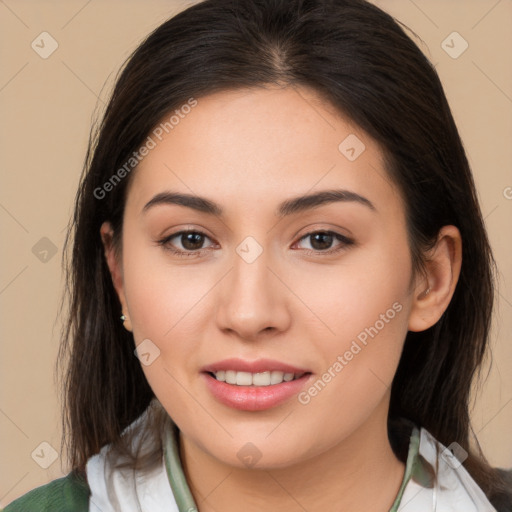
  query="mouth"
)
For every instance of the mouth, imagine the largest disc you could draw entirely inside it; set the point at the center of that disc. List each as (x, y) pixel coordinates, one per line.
(256, 385)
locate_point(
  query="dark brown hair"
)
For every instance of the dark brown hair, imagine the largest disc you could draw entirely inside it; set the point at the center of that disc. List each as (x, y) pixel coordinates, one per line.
(360, 60)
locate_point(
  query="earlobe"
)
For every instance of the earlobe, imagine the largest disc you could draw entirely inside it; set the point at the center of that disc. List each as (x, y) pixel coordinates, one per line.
(115, 269)
(126, 322)
(434, 290)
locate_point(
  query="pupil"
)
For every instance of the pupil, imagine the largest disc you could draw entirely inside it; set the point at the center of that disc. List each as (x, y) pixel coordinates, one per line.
(325, 240)
(192, 241)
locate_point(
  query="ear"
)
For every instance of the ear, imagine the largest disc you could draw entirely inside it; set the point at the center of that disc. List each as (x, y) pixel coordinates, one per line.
(116, 270)
(434, 290)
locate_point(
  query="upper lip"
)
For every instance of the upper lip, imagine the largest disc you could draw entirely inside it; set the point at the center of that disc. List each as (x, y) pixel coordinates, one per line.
(257, 366)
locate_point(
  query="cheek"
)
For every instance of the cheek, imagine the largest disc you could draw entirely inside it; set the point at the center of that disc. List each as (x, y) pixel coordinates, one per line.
(168, 306)
(349, 296)
(168, 303)
(364, 305)
(359, 360)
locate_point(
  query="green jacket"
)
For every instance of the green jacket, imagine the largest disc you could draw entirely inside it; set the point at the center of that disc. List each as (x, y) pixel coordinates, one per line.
(66, 494)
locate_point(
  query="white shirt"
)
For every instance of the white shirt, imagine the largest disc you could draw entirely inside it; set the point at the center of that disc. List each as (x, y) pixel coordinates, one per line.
(128, 490)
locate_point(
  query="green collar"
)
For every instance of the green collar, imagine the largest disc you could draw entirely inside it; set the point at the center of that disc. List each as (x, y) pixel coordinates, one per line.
(410, 466)
(177, 479)
(186, 502)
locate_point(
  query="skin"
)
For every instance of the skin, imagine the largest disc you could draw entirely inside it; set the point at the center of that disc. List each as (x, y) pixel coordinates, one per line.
(249, 150)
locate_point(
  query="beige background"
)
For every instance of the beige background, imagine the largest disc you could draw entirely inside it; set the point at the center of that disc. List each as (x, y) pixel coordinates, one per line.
(47, 106)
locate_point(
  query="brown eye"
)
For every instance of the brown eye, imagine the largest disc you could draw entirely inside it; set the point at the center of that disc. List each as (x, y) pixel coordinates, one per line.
(192, 240)
(322, 242)
(185, 243)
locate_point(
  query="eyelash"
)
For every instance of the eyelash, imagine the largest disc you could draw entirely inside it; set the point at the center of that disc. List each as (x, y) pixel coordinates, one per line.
(196, 253)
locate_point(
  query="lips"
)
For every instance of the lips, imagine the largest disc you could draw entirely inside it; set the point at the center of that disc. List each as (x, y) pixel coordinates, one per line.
(247, 395)
(258, 366)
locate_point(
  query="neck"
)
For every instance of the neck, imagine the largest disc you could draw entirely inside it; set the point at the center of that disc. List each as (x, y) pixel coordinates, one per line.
(360, 473)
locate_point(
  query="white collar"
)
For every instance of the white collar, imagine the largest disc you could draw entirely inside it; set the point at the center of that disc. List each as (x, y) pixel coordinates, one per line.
(134, 490)
(453, 490)
(128, 490)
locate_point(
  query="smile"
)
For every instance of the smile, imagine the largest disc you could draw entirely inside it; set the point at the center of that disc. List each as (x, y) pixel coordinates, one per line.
(267, 378)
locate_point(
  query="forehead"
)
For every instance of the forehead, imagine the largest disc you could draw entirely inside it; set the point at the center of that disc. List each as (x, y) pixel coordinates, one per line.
(259, 145)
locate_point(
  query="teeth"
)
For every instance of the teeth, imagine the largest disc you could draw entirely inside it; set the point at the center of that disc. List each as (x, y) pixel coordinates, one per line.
(277, 377)
(254, 379)
(243, 379)
(262, 379)
(231, 377)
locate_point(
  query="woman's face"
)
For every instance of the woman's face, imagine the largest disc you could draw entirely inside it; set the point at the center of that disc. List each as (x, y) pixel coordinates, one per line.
(314, 287)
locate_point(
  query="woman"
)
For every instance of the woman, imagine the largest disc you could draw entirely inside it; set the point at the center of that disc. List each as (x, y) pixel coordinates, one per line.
(278, 206)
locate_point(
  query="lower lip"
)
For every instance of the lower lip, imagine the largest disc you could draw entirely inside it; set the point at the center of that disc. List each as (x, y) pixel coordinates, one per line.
(254, 398)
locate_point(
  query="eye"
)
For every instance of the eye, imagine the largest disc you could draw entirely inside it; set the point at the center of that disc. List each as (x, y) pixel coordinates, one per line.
(191, 242)
(321, 242)
(187, 243)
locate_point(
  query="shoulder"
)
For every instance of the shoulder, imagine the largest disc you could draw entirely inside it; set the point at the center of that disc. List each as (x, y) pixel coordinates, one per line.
(69, 493)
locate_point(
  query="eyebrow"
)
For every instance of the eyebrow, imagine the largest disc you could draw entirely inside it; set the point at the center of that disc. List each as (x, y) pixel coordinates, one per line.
(288, 207)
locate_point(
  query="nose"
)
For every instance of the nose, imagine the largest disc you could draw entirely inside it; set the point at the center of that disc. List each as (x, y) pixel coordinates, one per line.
(252, 301)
